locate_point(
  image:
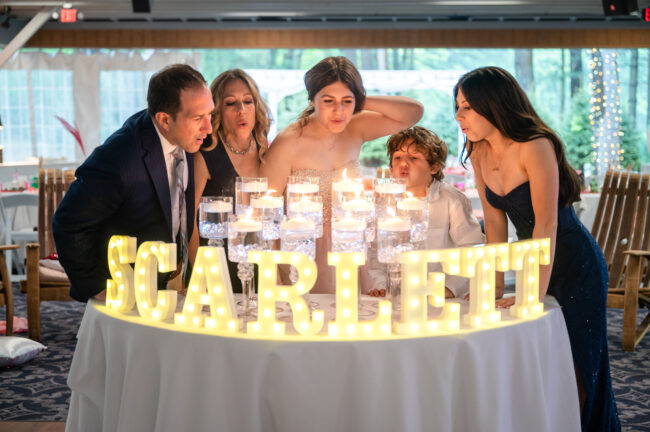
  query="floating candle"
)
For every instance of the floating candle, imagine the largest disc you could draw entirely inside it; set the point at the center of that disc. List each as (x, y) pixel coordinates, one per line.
(390, 188)
(348, 185)
(267, 202)
(245, 225)
(255, 186)
(393, 224)
(297, 224)
(411, 203)
(218, 207)
(358, 204)
(302, 188)
(305, 206)
(349, 224)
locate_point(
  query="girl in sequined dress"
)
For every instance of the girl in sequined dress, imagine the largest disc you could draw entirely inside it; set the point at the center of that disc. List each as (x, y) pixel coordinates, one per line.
(328, 135)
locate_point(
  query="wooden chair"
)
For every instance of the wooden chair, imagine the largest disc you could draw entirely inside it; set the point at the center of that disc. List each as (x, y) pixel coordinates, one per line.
(52, 184)
(622, 229)
(6, 295)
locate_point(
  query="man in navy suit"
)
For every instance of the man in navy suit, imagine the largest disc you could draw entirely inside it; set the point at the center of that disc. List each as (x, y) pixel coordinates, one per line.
(125, 186)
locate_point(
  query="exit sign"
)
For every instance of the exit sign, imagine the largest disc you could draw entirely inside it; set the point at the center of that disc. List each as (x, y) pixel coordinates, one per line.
(68, 15)
(646, 14)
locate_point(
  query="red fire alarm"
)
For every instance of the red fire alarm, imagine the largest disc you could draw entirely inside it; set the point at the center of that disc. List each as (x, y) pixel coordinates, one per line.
(68, 15)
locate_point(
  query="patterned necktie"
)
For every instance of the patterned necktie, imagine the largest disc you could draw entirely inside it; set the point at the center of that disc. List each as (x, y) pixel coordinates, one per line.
(179, 198)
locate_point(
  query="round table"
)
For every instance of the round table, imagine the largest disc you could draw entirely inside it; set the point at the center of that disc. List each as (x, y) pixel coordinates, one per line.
(127, 375)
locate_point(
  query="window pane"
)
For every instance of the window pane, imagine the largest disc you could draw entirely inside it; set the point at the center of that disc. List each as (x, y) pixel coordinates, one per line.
(15, 137)
(52, 96)
(123, 93)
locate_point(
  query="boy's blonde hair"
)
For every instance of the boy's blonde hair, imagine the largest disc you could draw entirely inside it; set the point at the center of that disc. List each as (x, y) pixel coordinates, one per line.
(426, 142)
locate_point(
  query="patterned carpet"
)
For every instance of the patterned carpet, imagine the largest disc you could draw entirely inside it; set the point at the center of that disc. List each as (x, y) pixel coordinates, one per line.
(37, 391)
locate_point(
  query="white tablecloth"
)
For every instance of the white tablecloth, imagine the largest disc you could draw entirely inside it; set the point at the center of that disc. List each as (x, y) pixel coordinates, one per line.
(586, 208)
(126, 376)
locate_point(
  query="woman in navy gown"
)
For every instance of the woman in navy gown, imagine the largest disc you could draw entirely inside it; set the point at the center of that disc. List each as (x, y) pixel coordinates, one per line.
(521, 171)
(240, 124)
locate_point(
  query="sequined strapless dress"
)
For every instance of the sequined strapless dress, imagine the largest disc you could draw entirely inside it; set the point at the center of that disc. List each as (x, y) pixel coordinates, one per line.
(579, 283)
(325, 283)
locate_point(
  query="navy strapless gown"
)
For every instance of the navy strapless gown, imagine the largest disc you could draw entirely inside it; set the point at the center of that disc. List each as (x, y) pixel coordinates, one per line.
(579, 283)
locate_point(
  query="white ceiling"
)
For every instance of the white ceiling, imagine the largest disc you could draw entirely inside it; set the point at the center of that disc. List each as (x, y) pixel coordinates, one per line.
(332, 13)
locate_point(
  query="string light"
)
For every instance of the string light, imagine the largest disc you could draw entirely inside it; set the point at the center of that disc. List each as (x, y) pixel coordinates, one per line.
(605, 110)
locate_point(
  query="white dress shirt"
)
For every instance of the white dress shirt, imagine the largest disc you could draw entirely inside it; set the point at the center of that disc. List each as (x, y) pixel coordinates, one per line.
(451, 224)
(167, 149)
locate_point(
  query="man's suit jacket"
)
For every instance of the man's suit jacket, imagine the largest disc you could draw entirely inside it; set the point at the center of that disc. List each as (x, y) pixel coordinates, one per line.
(122, 188)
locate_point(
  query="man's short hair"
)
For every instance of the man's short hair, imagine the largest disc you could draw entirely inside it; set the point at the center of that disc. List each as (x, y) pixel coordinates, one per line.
(164, 93)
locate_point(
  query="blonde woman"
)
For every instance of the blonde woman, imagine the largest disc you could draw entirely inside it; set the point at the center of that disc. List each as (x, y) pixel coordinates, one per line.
(239, 127)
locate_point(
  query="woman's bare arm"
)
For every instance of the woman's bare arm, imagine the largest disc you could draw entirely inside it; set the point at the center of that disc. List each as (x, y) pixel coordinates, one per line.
(385, 115)
(277, 163)
(495, 221)
(539, 160)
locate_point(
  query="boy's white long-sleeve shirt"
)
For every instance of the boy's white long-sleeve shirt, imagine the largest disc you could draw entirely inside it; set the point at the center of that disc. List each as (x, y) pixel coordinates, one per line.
(451, 224)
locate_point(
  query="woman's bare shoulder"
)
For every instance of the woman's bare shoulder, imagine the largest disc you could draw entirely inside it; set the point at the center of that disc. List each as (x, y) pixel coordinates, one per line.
(544, 141)
(292, 132)
(284, 144)
(479, 151)
(536, 148)
(289, 133)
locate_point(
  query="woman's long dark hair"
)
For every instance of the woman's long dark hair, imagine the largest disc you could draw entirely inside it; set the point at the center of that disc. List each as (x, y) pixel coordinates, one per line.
(495, 94)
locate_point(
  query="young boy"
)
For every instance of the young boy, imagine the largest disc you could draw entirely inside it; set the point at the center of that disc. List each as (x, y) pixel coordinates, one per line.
(418, 155)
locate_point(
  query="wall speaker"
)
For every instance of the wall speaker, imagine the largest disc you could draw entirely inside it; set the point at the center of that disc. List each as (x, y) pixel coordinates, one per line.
(620, 7)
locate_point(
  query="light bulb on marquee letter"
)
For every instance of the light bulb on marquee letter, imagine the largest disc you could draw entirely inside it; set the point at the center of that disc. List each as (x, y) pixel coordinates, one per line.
(417, 284)
(480, 264)
(347, 323)
(270, 292)
(525, 258)
(154, 256)
(210, 286)
(120, 295)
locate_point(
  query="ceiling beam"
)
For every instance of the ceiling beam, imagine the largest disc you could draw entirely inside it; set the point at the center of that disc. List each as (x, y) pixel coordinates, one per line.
(555, 38)
(25, 34)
